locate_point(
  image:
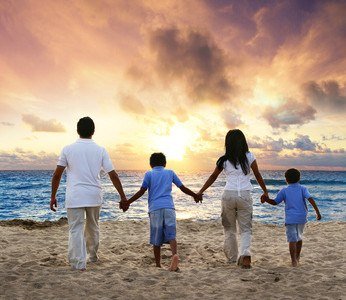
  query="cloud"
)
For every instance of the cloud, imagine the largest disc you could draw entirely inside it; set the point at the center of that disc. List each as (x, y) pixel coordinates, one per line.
(309, 160)
(232, 119)
(289, 113)
(131, 104)
(6, 124)
(38, 124)
(333, 137)
(301, 142)
(194, 59)
(327, 94)
(20, 159)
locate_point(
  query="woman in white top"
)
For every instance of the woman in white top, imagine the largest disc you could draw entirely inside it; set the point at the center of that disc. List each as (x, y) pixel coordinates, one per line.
(236, 199)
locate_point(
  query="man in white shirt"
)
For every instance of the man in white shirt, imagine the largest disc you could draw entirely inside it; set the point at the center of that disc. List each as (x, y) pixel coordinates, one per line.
(83, 161)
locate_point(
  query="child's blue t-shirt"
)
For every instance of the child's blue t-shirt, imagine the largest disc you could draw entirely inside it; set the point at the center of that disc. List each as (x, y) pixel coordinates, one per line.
(159, 182)
(294, 196)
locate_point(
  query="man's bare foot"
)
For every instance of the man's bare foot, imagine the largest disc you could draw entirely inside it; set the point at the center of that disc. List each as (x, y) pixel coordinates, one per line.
(174, 263)
(158, 266)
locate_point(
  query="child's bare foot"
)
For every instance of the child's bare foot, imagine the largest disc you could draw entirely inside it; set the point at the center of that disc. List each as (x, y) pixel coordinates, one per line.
(174, 263)
(294, 263)
(246, 264)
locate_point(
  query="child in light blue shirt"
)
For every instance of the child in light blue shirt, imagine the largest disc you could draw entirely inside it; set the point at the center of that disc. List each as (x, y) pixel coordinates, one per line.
(161, 206)
(296, 211)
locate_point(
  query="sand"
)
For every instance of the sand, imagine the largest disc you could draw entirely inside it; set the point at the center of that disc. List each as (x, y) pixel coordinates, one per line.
(33, 264)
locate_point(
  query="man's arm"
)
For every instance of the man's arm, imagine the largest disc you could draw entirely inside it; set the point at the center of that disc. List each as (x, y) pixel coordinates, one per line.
(55, 185)
(117, 184)
(314, 205)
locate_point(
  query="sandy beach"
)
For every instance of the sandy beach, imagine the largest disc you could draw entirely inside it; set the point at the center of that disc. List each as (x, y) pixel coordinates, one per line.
(33, 264)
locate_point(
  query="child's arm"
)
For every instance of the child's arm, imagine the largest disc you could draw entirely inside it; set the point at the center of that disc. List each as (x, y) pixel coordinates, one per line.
(314, 205)
(265, 198)
(136, 196)
(187, 191)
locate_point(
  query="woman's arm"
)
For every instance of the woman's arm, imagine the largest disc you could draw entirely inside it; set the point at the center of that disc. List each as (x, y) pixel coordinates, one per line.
(258, 176)
(210, 180)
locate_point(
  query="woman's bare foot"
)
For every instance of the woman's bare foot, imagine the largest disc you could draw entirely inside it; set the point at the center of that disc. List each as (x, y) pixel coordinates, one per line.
(174, 263)
(294, 263)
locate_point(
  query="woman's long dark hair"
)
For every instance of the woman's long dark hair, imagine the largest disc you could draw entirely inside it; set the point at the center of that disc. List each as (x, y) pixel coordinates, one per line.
(236, 149)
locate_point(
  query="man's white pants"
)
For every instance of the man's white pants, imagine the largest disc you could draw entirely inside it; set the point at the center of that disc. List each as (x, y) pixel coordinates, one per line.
(83, 241)
(237, 208)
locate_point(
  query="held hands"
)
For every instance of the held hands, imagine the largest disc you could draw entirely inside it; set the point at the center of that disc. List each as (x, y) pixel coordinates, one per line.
(318, 216)
(124, 205)
(198, 197)
(264, 198)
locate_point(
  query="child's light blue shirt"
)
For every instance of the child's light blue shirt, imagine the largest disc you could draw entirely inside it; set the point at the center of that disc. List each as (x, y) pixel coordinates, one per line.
(294, 196)
(159, 182)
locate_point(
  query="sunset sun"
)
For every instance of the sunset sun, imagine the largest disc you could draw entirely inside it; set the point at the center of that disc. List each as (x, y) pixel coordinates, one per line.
(175, 143)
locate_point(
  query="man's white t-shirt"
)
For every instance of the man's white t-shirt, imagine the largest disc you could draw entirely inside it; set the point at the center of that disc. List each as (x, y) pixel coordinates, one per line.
(84, 161)
(236, 180)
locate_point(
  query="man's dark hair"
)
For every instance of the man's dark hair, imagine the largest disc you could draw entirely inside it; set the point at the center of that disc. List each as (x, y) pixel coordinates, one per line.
(85, 127)
(292, 175)
(157, 160)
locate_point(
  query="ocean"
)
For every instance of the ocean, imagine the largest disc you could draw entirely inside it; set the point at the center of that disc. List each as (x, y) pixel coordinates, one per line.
(26, 195)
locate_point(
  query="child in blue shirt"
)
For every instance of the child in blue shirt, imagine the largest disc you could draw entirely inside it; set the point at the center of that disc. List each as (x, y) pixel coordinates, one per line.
(296, 211)
(161, 207)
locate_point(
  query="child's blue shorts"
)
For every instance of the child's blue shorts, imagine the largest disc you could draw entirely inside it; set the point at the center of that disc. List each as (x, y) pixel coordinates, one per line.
(162, 226)
(294, 232)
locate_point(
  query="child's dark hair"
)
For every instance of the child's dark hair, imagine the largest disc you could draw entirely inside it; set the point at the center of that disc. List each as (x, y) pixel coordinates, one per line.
(85, 127)
(157, 159)
(292, 175)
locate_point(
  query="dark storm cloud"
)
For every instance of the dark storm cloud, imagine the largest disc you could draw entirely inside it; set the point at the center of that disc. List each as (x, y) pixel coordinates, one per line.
(263, 26)
(193, 58)
(38, 124)
(289, 113)
(327, 94)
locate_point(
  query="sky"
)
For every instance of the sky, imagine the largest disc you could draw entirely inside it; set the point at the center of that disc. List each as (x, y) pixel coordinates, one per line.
(174, 76)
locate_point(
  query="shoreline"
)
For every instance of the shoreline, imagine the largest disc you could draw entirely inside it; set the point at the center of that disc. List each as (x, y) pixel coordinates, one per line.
(33, 224)
(33, 264)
